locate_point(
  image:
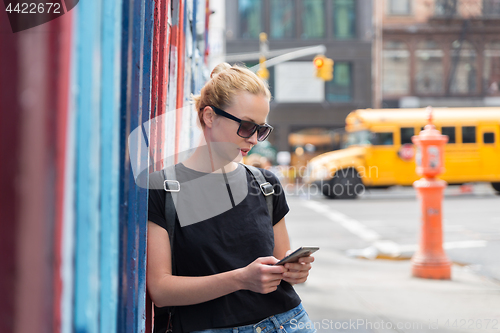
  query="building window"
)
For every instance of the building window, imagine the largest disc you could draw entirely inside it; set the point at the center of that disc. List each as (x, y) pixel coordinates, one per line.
(463, 68)
(429, 69)
(282, 19)
(491, 69)
(491, 7)
(469, 134)
(250, 17)
(395, 69)
(446, 7)
(399, 7)
(340, 88)
(313, 19)
(450, 131)
(344, 19)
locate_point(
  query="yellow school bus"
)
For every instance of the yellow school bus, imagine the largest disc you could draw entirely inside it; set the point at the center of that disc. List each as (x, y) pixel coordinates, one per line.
(379, 152)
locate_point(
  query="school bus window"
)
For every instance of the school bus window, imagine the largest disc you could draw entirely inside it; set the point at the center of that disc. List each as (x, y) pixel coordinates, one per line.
(382, 138)
(488, 137)
(469, 134)
(357, 138)
(406, 134)
(450, 131)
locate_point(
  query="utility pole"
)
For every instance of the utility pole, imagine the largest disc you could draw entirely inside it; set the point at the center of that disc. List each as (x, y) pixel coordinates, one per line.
(377, 54)
(263, 72)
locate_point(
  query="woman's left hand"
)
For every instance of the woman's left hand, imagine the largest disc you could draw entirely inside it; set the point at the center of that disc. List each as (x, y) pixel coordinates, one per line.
(297, 272)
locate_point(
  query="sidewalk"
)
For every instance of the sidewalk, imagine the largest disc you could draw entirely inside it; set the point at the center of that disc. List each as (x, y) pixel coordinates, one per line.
(381, 296)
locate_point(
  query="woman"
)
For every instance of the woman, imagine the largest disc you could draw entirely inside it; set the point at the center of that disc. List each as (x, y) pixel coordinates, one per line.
(225, 242)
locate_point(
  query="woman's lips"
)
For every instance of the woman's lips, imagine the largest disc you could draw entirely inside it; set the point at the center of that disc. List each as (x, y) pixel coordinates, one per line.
(244, 152)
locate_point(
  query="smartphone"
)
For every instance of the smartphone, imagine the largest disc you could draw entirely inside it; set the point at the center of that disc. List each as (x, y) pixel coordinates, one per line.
(302, 251)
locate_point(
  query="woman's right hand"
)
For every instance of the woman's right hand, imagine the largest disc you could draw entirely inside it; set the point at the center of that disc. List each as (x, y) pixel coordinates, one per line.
(261, 276)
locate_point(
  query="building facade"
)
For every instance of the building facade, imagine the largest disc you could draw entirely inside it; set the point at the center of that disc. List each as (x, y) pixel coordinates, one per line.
(439, 53)
(300, 100)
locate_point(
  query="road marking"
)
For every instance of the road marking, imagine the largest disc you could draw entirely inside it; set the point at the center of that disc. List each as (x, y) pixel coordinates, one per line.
(382, 246)
(464, 244)
(388, 248)
(449, 245)
(452, 227)
(350, 224)
(393, 249)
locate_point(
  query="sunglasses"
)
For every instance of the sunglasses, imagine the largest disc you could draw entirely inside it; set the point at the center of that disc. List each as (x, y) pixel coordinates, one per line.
(247, 128)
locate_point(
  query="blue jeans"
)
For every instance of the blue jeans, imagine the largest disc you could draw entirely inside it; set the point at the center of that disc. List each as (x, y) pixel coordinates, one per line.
(295, 320)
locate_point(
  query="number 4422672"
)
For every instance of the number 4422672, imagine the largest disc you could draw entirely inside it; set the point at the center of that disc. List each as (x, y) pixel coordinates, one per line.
(33, 8)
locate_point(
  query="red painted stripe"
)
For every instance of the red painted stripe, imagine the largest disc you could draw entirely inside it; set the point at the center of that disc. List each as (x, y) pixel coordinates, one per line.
(149, 315)
(63, 51)
(10, 113)
(154, 58)
(207, 23)
(34, 292)
(155, 81)
(164, 62)
(160, 76)
(157, 86)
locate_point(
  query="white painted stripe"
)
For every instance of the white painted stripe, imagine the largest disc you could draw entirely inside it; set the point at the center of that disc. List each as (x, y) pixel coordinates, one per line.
(465, 244)
(68, 226)
(408, 248)
(448, 245)
(350, 224)
(367, 234)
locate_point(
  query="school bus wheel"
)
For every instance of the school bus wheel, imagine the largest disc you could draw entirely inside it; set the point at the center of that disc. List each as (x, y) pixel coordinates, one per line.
(326, 189)
(496, 186)
(346, 184)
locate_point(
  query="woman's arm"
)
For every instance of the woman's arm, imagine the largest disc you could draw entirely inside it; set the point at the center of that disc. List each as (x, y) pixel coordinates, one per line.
(281, 240)
(166, 289)
(295, 272)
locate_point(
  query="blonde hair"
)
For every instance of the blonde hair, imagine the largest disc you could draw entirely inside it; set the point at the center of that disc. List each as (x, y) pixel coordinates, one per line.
(225, 82)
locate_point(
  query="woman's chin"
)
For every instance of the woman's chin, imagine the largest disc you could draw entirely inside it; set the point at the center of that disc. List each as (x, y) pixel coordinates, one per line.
(238, 158)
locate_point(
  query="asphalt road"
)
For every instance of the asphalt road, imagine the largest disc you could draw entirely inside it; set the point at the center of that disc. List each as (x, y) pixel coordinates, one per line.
(386, 223)
(362, 270)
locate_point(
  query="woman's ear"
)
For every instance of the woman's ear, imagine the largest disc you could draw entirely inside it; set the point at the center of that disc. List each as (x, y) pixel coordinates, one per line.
(208, 116)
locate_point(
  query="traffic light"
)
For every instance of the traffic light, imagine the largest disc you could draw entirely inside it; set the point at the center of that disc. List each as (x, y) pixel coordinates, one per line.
(324, 67)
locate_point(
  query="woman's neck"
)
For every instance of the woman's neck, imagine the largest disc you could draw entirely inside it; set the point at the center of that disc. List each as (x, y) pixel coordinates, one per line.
(205, 159)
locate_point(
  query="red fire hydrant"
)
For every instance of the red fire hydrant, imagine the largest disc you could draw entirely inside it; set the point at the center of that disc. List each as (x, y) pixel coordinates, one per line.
(430, 260)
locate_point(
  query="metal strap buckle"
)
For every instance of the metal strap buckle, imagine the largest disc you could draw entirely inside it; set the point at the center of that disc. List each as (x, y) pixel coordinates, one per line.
(267, 189)
(175, 188)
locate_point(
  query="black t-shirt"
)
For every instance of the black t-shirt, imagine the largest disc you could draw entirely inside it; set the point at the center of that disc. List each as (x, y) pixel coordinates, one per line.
(236, 231)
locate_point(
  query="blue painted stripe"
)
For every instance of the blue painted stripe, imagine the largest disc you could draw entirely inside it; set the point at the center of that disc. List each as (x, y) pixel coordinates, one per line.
(110, 134)
(142, 213)
(124, 165)
(135, 95)
(86, 310)
(140, 101)
(133, 221)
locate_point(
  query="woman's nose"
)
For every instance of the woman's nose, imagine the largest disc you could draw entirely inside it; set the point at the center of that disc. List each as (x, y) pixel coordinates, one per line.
(253, 139)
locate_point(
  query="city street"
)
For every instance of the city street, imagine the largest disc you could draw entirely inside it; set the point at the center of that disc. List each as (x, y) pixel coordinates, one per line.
(361, 280)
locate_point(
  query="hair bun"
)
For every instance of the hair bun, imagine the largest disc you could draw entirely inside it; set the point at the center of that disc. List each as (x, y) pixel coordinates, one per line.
(220, 68)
